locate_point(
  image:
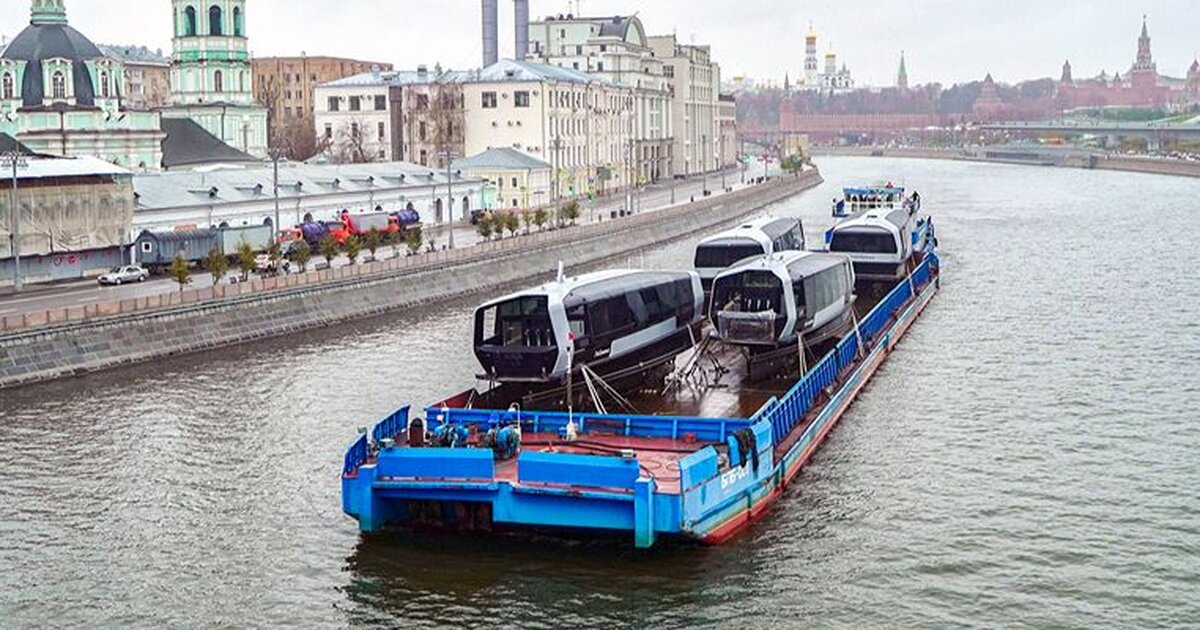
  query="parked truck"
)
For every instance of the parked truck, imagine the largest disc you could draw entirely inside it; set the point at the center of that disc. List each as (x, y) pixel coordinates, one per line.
(155, 250)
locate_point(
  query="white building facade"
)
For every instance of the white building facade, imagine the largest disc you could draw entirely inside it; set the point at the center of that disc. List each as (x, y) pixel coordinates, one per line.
(695, 86)
(581, 124)
(412, 116)
(617, 50)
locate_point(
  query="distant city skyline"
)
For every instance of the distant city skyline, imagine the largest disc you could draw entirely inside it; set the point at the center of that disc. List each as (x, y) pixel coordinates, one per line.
(948, 41)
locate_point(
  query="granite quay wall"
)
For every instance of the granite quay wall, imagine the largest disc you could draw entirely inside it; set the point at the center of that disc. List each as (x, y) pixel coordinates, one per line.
(92, 337)
(1033, 157)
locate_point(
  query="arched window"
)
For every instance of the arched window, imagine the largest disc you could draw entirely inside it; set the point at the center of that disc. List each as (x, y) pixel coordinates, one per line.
(242, 81)
(105, 92)
(218, 82)
(8, 89)
(189, 21)
(214, 20)
(58, 85)
(267, 221)
(237, 21)
(466, 205)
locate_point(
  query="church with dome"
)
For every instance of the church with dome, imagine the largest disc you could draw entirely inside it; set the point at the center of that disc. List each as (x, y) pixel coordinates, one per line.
(61, 95)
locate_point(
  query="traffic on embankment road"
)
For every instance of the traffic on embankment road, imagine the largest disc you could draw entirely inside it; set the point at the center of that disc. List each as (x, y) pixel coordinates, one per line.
(1028, 155)
(87, 338)
(77, 296)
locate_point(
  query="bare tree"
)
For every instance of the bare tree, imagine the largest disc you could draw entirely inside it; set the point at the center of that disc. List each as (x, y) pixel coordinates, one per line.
(354, 144)
(299, 140)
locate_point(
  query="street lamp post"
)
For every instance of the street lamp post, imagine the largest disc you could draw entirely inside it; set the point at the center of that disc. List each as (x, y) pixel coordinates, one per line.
(450, 194)
(16, 160)
(704, 165)
(275, 155)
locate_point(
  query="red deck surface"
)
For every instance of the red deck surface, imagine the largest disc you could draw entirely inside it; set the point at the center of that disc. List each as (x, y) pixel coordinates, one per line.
(657, 457)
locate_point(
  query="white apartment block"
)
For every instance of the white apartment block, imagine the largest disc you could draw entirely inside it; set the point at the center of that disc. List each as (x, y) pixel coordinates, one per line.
(410, 116)
(581, 124)
(727, 126)
(616, 50)
(695, 83)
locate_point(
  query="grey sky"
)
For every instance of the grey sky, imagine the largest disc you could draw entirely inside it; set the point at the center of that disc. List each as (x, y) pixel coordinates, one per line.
(945, 40)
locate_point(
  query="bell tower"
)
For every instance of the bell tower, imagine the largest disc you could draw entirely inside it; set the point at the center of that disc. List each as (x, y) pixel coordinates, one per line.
(210, 60)
(212, 80)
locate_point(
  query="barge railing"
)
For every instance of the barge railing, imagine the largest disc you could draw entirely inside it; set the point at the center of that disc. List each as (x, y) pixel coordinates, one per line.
(795, 405)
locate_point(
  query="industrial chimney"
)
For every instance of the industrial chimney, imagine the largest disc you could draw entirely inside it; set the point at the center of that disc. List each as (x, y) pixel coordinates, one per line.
(491, 35)
(521, 19)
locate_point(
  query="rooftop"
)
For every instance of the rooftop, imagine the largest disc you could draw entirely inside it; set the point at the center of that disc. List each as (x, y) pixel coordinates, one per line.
(43, 167)
(189, 144)
(135, 55)
(505, 70)
(501, 158)
(248, 183)
(399, 77)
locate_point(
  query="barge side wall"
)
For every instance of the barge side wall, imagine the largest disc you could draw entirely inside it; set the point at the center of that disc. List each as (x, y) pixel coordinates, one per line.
(66, 350)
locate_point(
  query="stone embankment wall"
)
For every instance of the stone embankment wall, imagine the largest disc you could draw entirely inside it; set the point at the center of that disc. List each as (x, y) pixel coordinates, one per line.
(101, 336)
(1076, 159)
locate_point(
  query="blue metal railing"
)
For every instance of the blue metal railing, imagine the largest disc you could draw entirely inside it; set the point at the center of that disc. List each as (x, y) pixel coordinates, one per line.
(360, 450)
(674, 427)
(793, 406)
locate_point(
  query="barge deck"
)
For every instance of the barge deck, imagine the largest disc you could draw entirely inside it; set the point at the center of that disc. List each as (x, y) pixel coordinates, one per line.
(704, 476)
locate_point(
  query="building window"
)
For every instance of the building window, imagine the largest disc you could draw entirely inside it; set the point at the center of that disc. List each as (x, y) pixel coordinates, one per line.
(218, 81)
(381, 134)
(424, 158)
(328, 131)
(603, 47)
(58, 85)
(579, 50)
(489, 100)
(599, 66)
(189, 21)
(214, 20)
(237, 21)
(380, 102)
(521, 98)
(241, 81)
(333, 104)
(575, 65)
(104, 88)
(421, 131)
(668, 71)
(8, 85)
(355, 103)
(514, 182)
(422, 101)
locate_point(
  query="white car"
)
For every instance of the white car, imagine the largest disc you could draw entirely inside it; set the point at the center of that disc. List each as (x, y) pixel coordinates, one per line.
(122, 275)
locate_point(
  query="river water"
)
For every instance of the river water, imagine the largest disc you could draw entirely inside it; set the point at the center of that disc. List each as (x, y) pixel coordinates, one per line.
(1030, 455)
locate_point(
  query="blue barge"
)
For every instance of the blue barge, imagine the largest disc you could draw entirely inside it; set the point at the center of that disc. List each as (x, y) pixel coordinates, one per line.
(648, 476)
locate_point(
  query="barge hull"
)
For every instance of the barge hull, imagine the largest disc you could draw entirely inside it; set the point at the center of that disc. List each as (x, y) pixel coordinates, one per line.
(701, 479)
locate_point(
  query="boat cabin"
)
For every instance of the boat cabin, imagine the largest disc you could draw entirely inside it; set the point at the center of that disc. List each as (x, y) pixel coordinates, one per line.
(879, 242)
(604, 320)
(855, 200)
(717, 253)
(770, 300)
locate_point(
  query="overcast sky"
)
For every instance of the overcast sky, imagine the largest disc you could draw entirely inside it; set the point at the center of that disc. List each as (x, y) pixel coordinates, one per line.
(945, 40)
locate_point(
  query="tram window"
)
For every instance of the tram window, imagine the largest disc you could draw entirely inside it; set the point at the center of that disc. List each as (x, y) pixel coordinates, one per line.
(721, 256)
(863, 242)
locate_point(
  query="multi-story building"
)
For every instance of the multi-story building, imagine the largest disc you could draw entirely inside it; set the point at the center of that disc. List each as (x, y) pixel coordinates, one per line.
(146, 81)
(412, 116)
(727, 145)
(581, 124)
(285, 86)
(616, 50)
(60, 95)
(694, 83)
